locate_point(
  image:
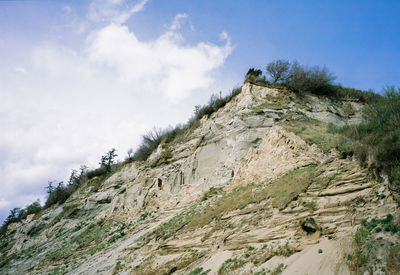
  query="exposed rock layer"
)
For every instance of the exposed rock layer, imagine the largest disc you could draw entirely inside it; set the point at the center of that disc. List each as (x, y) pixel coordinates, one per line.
(157, 217)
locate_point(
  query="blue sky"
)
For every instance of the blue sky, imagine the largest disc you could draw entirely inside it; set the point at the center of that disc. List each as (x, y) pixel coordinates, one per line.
(80, 77)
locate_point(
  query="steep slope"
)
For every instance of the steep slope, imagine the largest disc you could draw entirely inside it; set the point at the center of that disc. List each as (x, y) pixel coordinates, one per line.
(258, 187)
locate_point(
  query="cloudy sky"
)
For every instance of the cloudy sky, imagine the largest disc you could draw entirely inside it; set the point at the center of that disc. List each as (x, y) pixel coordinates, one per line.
(78, 78)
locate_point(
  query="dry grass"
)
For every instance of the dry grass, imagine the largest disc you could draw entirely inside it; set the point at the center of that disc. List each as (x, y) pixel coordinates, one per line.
(316, 132)
(281, 101)
(148, 267)
(281, 192)
(256, 257)
(288, 187)
(393, 260)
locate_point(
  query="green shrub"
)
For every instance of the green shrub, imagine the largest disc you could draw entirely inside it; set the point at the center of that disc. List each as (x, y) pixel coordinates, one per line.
(376, 141)
(60, 193)
(96, 172)
(300, 78)
(361, 235)
(351, 94)
(309, 79)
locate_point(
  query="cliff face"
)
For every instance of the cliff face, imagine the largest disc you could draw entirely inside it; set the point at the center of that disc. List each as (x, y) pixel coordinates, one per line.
(257, 187)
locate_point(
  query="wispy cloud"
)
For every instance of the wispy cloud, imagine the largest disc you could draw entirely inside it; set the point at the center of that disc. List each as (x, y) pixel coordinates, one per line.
(136, 8)
(116, 11)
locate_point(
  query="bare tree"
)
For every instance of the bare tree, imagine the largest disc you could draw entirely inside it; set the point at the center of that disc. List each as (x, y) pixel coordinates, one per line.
(278, 70)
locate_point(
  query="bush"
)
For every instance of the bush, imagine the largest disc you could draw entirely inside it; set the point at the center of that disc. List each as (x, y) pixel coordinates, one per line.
(57, 194)
(96, 172)
(33, 208)
(155, 137)
(309, 79)
(376, 141)
(150, 142)
(254, 76)
(254, 72)
(62, 192)
(300, 78)
(354, 94)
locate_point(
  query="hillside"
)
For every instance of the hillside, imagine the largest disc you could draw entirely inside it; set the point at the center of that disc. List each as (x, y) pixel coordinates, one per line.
(261, 186)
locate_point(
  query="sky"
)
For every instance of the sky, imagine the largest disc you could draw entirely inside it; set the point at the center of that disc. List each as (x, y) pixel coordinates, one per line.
(78, 78)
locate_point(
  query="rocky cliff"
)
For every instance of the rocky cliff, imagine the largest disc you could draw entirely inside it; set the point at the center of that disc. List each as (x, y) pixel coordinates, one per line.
(257, 188)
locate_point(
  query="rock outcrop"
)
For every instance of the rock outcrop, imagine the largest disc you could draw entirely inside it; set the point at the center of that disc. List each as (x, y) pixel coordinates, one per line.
(258, 187)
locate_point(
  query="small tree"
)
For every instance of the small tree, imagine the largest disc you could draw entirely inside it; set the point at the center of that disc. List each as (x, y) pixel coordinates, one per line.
(73, 178)
(109, 159)
(278, 71)
(57, 194)
(13, 216)
(49, 188)
(130, 153)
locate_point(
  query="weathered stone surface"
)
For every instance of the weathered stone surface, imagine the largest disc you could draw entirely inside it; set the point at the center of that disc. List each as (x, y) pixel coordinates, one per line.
(145, 212)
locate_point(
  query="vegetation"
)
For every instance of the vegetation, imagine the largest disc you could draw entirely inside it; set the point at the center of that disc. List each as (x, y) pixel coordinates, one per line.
(280, 191)
(108, 160)
(166, 230)
(376, 141)
(147, 267)
(156, 136)
(302, 79)
(18, 214)
(256, 257)
(317, 132)
(199, 271)
(95, 237)
(369, 245)
(279, 71)
(231, 264)
(58, 193)
(278, 270)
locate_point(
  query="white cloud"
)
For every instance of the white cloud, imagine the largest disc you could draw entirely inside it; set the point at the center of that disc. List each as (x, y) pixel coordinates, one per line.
(176, 24)
(20, 70)
(136, 8)
(67, 106)
(116, 11)
(178, 69)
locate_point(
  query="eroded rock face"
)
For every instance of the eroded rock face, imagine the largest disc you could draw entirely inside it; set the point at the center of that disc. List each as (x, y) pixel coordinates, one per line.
(279, 152)
(241, 194)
